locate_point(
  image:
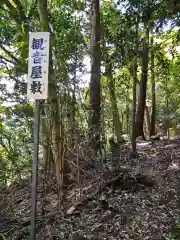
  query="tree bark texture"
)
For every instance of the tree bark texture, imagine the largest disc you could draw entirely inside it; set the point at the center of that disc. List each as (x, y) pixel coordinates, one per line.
(57, 121)
(95, 96)
(143, 86)
(153, 90)
(133, 72)
(117, 126)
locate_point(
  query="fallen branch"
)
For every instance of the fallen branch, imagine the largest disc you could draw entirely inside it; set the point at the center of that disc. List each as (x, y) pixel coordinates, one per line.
(116, 181)
(122, 180)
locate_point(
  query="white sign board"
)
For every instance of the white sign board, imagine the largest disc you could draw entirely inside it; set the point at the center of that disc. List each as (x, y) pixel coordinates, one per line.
(38, 65)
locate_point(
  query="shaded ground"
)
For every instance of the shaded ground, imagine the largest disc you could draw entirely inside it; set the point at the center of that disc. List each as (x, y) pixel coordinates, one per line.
(143, 213)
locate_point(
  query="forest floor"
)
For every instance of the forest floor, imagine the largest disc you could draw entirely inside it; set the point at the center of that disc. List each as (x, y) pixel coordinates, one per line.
(105, 211)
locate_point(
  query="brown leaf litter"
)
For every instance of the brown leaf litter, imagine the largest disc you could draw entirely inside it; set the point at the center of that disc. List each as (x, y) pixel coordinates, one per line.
(146, 213)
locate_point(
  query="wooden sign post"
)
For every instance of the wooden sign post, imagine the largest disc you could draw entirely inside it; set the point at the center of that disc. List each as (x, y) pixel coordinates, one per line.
(37, 89)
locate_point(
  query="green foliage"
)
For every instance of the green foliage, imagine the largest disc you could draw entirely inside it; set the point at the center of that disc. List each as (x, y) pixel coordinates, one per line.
(175, 234)
(167, 84)
(16, 143)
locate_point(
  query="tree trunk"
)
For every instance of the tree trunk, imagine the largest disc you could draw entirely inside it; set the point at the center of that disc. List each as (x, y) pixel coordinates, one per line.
(134, 110)
(47, 150)
(134, 74)
(143, 86)
(146, 108)
(167, 109)
(127, 115)
(148, 121)
(74, 105)
(95, 97)
(57, 121)
(117, 127)
(73, 117)
(153, 113)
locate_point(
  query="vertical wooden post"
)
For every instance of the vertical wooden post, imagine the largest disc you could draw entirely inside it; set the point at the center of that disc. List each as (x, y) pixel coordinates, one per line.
(35, 169)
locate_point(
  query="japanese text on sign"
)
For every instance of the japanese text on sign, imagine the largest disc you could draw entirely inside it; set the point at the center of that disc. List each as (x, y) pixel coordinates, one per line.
(38, 65)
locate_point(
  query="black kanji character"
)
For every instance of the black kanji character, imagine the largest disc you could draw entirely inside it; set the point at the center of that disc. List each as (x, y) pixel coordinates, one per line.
(36, 72)
(37, 58)
(36, 87)
(37, 44)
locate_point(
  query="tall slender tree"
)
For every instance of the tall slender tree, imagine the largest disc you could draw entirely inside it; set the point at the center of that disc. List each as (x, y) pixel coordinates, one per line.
(134, 74)
(153, 91)
(143, 81)
(95, 96)
(57, 128)
(117, 127)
